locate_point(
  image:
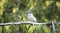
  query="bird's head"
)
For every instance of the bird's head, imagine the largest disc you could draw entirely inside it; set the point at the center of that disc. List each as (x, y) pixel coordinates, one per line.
(29, 12)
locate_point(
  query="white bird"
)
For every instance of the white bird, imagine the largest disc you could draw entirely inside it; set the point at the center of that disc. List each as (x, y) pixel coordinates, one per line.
(31, 16)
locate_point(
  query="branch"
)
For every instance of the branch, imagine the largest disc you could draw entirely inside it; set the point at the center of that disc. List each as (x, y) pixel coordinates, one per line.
(12, 23)
(26, 22)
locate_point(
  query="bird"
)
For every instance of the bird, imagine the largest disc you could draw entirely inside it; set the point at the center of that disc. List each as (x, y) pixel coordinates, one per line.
(31, 17)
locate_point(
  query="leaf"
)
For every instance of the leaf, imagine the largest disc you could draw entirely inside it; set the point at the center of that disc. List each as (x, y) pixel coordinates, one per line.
(31, 29)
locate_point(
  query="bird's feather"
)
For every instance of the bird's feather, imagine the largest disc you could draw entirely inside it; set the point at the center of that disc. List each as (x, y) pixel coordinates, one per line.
(31, 18)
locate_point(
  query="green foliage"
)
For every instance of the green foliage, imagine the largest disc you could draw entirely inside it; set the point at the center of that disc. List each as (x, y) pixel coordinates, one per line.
(31, 29)
(42, 12)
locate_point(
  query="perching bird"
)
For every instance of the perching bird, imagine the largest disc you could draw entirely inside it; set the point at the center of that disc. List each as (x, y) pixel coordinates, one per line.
(31, 16)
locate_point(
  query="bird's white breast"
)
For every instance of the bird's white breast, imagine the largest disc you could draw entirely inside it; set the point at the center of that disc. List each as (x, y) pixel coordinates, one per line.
(31, 18)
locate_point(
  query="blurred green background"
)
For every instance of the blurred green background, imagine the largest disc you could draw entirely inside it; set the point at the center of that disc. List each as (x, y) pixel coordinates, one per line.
(43, 10)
